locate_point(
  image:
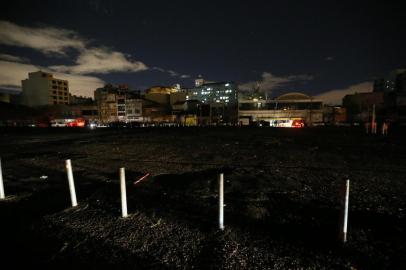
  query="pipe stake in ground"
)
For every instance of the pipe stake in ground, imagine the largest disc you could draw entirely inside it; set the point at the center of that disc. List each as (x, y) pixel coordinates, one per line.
(344, 218)
(2, 196)
(123, 193)
(71, 182)
(221, 201)
(142, 178)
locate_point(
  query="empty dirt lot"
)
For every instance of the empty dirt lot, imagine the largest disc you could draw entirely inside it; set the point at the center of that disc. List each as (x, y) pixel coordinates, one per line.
(281, 195)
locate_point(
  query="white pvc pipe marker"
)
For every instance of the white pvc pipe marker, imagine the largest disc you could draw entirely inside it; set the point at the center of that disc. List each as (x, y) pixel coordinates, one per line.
(345, 212)
(71, 182)
(123, 193)
(2, 196)
(221, 201)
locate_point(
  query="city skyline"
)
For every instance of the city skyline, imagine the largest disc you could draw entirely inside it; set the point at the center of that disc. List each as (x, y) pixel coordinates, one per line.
(325, 50)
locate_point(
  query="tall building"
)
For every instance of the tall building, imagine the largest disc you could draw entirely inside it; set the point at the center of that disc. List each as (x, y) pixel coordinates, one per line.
(384, 85)
(359, 106)
(392, 82)
(214, 93)
(118, 104)
(42, 88)
(105, 98)
(133, 107)
(221, 99)
(161, 103)
(395, 101)
(388, 96)
(160, 95)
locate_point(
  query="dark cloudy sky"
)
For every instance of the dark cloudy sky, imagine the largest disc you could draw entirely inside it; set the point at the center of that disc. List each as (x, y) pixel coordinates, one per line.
(309, 46)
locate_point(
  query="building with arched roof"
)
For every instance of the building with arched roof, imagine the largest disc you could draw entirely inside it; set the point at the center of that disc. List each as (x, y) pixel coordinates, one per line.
(281, 111)
(293, 96)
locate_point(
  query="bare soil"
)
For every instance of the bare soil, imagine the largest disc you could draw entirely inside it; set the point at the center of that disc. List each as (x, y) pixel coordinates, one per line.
(281, 193)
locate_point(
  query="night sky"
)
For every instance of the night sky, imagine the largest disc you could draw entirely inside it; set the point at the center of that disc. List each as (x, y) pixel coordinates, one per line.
(307, 46)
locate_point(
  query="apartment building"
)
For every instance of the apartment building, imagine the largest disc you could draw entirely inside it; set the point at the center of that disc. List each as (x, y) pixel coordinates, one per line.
(42, 88)
(118, 104)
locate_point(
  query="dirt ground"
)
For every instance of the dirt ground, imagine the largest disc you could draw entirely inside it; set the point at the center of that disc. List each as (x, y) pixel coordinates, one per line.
(281, 195)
